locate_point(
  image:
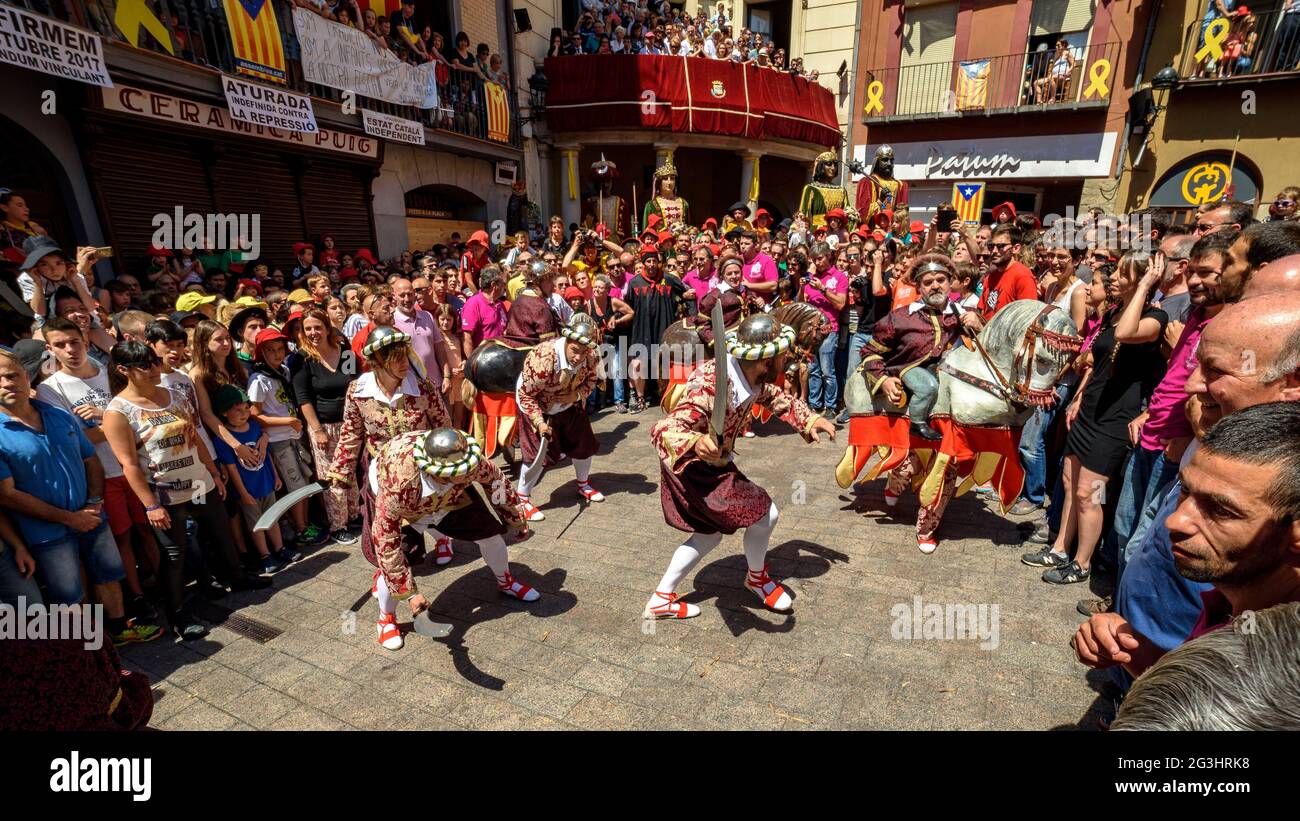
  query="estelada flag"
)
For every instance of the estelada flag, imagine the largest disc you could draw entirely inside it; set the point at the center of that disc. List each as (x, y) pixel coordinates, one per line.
(973, 84)
(968, 200)
(255, 35)
(498, 112)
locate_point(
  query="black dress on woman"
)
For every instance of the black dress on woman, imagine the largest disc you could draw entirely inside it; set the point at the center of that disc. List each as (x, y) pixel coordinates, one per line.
(1122, 381)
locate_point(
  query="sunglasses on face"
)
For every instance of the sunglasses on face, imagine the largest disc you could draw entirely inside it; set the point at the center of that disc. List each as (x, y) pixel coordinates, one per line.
(1206, 227)
(1284, 203)
(983, 257)
(1000, 246)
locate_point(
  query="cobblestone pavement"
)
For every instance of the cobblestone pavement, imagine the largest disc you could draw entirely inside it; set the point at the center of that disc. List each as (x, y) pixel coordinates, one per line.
(582, 657)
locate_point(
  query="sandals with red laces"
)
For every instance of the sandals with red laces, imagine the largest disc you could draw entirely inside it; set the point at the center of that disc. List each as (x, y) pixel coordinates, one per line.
(516, 589)
(442, 550)
(926, 546)
(390, 637)
(590, 493)
(773, 595)
(891, 499)
(531, 513)
(668, 607)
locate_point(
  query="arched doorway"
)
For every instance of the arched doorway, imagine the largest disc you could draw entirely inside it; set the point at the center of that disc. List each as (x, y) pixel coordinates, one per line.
(435, 212)
(27, 168)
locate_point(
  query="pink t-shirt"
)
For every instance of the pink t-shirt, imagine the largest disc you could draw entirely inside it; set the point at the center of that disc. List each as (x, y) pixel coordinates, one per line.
(425, 338)
(835, 282)
(701, 284)
(482, 319)
(1167, 419)
(762, 268)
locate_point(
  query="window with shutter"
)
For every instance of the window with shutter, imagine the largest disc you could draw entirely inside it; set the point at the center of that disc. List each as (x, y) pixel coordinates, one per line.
(925, 63)
(1061, 16)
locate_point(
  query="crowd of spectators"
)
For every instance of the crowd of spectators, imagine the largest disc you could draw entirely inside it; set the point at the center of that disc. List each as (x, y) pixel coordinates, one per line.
(196, 388)
(607, 27)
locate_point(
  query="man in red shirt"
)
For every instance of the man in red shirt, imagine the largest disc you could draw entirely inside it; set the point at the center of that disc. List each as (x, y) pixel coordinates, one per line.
(1007, 279)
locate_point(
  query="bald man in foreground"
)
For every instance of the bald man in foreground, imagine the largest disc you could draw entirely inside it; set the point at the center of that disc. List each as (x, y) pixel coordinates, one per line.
(1277, 276)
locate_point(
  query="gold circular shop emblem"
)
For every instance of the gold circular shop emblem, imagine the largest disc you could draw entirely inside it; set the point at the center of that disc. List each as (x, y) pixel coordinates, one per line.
(1206, 182)
(718, 89)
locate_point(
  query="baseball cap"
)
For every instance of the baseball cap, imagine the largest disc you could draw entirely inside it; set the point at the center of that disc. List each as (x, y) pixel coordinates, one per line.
(226, 397)
(191, 300)
(300, 295)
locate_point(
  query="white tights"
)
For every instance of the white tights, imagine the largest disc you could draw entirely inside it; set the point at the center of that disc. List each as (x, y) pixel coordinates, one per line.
(495, 556)
(756, 539)
(582, 467)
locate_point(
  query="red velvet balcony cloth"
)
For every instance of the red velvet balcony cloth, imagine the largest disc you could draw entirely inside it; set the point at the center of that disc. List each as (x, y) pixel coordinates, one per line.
(687, 94)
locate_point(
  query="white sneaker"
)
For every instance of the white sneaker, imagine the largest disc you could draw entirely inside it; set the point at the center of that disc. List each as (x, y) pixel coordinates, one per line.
(926, 546)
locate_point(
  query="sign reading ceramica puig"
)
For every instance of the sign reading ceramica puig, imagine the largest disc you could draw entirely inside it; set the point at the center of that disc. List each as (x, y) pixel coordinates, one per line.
(52, 47)
(270, 107)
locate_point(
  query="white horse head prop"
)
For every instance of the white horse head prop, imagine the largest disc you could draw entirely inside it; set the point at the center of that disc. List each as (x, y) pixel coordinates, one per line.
(1013, 368)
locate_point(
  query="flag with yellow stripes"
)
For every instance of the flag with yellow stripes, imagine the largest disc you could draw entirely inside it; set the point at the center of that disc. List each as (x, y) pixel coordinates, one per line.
(498, 112)
(255, 36)
(968, 201)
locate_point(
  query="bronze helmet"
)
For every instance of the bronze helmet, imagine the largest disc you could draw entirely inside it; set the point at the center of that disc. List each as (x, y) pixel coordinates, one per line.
(383, 337)
(760, 337)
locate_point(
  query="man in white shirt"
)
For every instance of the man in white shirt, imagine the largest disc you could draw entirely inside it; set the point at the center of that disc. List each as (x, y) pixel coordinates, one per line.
(81, 387)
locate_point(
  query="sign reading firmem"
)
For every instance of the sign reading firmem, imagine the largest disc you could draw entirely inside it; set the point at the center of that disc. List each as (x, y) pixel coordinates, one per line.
(52, 47)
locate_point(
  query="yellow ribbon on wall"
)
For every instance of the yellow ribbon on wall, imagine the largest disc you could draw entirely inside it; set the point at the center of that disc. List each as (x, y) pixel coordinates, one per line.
(875, 95)
(571, 158)
(132, 14)
(1098, 74)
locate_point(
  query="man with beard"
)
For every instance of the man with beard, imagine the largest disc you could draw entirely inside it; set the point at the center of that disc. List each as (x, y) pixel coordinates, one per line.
(702, 491)
(907, 344)
(904, 351)
(1233, 527)
(654, 298)
(1249, 355)
(1007, 279)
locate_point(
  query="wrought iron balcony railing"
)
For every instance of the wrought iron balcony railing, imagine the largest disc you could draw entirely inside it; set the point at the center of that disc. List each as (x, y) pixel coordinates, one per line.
(1039, 80)
(1243, 44)
(200, 35)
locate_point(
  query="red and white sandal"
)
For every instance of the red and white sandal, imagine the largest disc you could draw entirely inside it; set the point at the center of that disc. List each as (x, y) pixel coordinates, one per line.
(666, 606)
(891, 499)
(516, 589)
(442, 550)
(926, 546)
(772, 594)
(531, 513)
(390, 637)
(590, 493)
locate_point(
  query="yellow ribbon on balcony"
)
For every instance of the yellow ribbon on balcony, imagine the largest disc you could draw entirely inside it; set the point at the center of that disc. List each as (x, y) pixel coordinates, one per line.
(1215, 34)
(875, 97)
(1098, 74)
(132, 15)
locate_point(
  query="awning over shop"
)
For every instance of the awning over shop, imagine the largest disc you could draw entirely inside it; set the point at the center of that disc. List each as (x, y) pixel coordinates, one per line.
(1205, 178)
(688, 94)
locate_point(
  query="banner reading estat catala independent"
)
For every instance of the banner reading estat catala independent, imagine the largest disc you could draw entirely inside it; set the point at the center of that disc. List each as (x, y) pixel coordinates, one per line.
(340, 57)
(392, 128)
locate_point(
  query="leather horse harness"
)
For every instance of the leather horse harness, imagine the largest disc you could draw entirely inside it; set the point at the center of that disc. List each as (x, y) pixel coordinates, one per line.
(1018, 392)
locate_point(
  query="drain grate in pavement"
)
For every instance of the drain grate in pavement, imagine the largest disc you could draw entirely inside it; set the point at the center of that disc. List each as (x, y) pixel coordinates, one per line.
(258, 631)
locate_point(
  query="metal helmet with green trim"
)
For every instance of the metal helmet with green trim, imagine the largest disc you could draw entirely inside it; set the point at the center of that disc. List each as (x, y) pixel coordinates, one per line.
(446, 453)
(582, 329)
(760, 337)
(383, 337)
